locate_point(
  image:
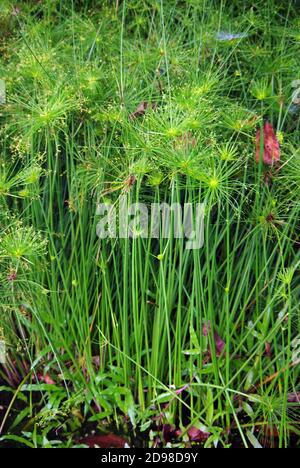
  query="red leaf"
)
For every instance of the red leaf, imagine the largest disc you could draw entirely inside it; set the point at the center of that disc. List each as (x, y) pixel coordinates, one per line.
(181, 390)
(198, 435)
(271, 432)
(268, 350)
(46, 379)
(141, 110)
(271, 154)
(220, 344)
(294, 397)
(170, 433)
(104, 441)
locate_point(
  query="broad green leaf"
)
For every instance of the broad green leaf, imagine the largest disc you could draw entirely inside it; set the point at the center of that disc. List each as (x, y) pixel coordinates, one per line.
(253, 440)
(194, 338)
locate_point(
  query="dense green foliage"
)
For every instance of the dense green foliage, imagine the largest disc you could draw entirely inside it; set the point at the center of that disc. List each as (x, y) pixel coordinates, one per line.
(111, 332)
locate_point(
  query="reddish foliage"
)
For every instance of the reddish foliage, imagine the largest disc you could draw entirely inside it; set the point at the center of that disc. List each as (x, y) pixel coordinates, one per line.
(268, 350)
(181, 390)
(170, 433)
(271, 150)
(12, 276)
(270, 432)
(104, 441)
(294, 397)
(141, 110)
(198, 435)
(46, 379)
(219, 343)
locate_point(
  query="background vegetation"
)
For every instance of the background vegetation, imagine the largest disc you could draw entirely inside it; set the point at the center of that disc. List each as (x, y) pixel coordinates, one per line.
(158, 101)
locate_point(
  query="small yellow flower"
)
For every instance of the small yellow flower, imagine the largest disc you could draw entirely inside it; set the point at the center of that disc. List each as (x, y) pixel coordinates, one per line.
(262, 219)
(24, 193)
(173, 132)
(280, 137)
(213, 183)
